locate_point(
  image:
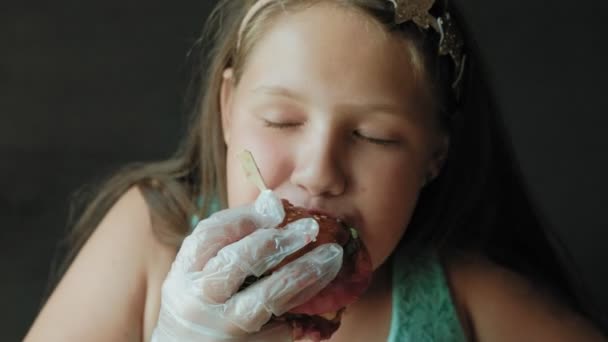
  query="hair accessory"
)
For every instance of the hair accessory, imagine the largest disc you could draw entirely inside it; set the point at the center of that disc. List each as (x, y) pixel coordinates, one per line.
(450, 42)
(416, 11)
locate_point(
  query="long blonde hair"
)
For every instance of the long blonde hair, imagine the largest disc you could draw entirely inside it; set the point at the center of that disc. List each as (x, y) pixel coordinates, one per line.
(171, 187)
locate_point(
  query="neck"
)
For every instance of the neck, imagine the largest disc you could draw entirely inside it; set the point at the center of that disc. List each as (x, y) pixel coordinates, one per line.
(381, 284)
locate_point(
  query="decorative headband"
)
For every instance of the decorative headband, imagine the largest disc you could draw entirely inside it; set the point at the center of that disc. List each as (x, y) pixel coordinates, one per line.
(451, 42)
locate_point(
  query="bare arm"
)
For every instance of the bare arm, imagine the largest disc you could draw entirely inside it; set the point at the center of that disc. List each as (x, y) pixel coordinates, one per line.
(108, 293)
(504, 306)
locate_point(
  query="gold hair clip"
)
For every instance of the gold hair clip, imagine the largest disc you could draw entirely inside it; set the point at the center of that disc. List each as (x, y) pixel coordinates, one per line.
(416, 11)
(450, 42)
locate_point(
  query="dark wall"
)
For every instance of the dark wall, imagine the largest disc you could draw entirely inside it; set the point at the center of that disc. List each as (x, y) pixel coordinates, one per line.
(548, 62)
(85, 88)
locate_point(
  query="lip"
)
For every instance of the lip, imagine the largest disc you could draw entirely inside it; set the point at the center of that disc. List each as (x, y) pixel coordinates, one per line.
(316, 211)
(349, 220)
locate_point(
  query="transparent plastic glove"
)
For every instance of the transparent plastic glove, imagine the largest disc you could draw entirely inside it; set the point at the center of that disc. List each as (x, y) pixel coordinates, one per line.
(199, 300)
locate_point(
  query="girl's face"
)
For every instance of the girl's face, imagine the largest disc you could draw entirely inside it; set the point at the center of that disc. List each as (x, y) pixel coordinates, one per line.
(337, 120)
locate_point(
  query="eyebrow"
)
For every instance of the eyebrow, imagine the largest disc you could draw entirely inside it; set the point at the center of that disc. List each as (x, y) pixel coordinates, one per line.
(279, 91)
(358, 108)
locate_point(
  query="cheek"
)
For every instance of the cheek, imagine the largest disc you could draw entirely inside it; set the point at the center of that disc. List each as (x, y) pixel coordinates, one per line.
(240, 191)
(271, 156)
(389, 196)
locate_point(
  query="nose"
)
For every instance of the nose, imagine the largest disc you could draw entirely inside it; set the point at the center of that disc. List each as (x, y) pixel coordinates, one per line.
(319, 169)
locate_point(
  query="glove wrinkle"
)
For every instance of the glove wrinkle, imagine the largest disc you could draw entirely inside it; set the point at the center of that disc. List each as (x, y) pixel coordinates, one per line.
(200, 298)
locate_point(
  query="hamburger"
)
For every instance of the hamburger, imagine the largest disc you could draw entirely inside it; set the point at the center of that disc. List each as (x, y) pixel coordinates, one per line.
(319, 317)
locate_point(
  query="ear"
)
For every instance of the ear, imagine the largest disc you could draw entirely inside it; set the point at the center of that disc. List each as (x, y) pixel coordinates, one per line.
(438, 158)
(226, 93)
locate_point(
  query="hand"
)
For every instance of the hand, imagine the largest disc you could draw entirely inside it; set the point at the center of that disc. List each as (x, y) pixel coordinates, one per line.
(199, 300)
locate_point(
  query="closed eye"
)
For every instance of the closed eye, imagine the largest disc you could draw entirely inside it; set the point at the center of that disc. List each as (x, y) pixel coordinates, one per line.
(280, 125)
(377, 141)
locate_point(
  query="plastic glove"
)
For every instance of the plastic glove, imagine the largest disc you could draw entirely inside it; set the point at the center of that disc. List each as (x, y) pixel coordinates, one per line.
(199, 300)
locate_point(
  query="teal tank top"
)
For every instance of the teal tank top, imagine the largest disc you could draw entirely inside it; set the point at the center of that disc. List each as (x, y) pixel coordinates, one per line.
(422, 307)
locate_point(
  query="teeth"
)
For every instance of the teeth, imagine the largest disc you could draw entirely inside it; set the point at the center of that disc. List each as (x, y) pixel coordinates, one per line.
(330, 315)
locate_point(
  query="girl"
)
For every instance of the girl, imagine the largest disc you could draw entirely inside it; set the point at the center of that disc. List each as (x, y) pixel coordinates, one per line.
(372, 110)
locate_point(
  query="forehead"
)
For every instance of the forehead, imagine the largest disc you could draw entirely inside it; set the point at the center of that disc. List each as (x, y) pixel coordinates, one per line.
(343, 52)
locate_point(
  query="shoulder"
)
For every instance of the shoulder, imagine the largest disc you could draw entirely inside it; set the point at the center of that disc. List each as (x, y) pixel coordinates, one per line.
(128, 228)
(129, 225)
(500, 305)
(130, 220)
(108, 289)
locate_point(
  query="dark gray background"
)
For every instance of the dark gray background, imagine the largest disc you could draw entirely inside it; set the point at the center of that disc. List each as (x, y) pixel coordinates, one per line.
(87, 87)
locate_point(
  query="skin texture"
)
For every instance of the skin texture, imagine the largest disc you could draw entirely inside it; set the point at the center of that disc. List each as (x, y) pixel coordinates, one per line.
(323, 159)
(321, 154)
(496, 304)
(112, 290)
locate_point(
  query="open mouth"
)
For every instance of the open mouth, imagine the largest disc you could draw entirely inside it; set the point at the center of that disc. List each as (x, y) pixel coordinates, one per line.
(346, 220)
